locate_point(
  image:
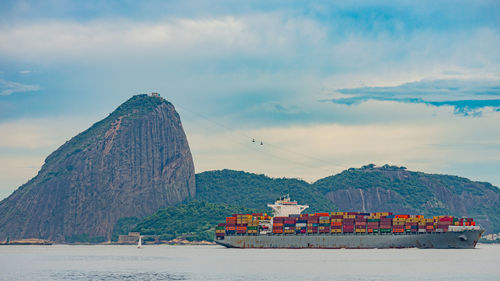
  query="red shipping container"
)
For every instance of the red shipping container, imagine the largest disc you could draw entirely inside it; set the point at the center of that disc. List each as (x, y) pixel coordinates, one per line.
(348, 221)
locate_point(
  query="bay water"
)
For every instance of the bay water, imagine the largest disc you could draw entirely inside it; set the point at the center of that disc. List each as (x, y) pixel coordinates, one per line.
(164, 262)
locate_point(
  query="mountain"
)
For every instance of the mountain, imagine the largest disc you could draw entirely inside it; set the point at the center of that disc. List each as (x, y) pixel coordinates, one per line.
(129, 164)
(370, 189)
(256, 191)
(193, 220)
(395, 189)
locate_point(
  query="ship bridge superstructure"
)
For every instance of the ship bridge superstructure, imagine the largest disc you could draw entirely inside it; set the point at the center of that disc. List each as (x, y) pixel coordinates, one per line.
(284, 207)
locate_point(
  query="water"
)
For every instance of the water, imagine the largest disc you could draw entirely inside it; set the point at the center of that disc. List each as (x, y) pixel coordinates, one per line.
(162, 262)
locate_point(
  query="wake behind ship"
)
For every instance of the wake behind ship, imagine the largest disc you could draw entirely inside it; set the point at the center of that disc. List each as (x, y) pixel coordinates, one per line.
(288, 228)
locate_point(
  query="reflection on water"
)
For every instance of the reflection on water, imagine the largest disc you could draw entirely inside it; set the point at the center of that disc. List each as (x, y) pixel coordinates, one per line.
(109, 275)
(162, 262)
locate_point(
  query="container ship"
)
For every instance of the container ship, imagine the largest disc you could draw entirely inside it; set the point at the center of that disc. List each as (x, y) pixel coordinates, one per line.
(288, 228)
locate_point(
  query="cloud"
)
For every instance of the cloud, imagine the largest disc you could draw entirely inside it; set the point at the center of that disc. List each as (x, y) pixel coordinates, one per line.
(10, 87)
(467, 97)
(24, 71)
(437, 143)
(25, 143)
(193, 37)
(40, 133)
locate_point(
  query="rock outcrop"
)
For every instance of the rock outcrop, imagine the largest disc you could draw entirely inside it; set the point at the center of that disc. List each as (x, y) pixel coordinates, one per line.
(367, 189)
(395, 189)
(130, 164)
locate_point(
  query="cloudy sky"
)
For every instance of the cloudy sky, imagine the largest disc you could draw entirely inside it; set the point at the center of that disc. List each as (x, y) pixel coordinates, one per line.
(324, 86)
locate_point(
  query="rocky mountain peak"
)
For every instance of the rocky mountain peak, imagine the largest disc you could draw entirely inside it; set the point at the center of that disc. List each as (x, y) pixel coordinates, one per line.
(131, 163)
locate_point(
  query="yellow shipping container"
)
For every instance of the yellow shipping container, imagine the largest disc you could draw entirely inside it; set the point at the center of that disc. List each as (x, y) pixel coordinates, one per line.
(324, 221)
(336, 230)
(360, 230)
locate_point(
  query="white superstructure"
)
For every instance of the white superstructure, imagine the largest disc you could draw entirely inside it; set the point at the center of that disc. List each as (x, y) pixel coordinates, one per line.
(283, 207)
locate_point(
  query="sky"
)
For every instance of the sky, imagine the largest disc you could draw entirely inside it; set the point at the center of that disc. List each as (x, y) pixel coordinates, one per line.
(324, 86)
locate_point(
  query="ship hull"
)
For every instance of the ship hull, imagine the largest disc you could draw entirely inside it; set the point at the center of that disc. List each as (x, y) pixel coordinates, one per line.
(447, 240)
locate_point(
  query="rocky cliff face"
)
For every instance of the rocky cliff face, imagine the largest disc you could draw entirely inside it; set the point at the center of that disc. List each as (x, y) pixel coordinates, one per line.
(378, 189)
(130, 164)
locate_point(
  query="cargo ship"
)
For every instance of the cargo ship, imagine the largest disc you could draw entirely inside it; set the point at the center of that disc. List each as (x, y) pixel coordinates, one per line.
(289, 228)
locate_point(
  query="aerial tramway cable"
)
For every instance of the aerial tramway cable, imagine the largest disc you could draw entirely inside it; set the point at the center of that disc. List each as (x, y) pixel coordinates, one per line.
(261, 144)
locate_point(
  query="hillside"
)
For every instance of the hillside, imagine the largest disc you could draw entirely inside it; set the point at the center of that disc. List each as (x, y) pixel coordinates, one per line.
(256, 191)
(129, 164)
(194, 220)
(396, 189)
(369, 189)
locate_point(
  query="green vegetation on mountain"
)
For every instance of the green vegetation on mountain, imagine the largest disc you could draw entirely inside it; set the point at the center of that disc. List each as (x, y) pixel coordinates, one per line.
(398, 190)
(256, 191)
(370, 188)
(194, 220)
(123, 226)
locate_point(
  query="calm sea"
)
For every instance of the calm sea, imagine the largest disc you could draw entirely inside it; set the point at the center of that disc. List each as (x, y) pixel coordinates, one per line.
(162, 262)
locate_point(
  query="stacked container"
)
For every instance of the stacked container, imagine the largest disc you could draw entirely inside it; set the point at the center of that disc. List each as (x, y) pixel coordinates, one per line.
(360, 222)
(398, 224)
(337, 223)
(443, 222)
(278, 224)
(373, 224)
(301, 226)
(324, 223)
(289, 225)
(348, 224)
(385, 224)
(312, 224)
